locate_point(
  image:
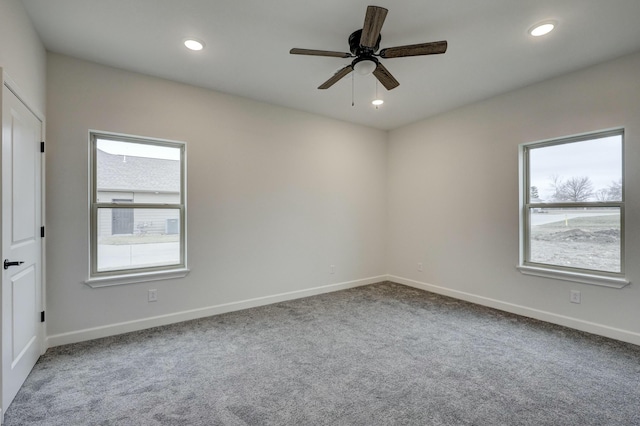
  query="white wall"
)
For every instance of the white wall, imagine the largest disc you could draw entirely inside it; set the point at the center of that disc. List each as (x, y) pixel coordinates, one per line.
(275, 196)
(22, 55)
(453, 197)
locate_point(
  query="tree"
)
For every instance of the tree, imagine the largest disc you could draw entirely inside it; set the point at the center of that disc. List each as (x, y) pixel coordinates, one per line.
(602, 194)
(575, 189)
(534, 192)
(556, 184)
(611, 193)
(615, 191)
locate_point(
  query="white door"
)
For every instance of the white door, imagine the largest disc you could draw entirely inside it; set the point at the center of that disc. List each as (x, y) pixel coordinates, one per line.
(21, 243)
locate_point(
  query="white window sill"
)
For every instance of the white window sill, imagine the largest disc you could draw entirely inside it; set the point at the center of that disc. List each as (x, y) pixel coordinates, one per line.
(136, 278)
(600, 280)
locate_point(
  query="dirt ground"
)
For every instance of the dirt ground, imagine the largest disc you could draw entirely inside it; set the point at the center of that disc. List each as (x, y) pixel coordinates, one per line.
(589, 243)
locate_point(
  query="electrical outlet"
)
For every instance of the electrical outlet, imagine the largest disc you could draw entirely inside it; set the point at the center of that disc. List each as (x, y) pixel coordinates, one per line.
(332, 269)
(420, 266)
(575, 296)
(153, 295)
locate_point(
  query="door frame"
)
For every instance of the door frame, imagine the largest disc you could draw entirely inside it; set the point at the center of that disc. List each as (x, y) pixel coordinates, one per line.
(13, 87)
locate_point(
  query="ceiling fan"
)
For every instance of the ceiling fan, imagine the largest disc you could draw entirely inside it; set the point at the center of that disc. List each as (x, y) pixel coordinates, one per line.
(365, 43)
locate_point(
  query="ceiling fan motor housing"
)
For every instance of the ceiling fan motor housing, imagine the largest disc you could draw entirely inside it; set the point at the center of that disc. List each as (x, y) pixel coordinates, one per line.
(357, 49)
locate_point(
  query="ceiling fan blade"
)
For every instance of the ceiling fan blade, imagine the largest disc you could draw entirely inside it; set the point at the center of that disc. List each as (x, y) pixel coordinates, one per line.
(373, 21)
(385, 78)
(337, 76)
(433, 48)
(312, 52)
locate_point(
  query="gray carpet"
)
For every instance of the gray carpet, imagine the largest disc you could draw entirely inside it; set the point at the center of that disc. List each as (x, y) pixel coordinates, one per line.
(383, 354)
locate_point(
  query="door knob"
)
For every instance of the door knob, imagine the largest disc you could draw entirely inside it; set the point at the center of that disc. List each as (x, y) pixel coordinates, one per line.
(16, 263)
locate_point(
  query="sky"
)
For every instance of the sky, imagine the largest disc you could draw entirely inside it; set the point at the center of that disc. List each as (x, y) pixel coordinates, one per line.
(599, 159)
(138, 149)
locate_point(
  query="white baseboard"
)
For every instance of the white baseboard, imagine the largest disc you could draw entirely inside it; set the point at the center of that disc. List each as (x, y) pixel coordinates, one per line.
(578, 324)
(141, 324)
(129, 326)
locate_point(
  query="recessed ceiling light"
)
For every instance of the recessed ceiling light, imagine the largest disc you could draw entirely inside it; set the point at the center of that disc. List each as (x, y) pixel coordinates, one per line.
(193, 44)
(377, 102)
(542, 28)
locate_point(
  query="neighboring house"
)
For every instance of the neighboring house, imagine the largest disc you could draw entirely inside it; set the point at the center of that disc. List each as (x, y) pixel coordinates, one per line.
(142, 180)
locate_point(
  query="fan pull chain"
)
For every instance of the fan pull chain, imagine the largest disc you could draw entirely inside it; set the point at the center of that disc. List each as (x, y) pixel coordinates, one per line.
(353, 102)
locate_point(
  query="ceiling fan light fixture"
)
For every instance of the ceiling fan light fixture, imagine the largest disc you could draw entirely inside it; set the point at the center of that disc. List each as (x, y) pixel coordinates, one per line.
(542, 28)
(365, 67)
(193, 44)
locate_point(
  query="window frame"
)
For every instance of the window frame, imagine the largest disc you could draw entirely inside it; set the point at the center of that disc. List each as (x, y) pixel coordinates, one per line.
(138, 274)
(582, 275)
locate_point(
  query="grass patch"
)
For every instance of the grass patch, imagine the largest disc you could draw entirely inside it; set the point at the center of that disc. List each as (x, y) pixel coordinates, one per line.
(606, 221)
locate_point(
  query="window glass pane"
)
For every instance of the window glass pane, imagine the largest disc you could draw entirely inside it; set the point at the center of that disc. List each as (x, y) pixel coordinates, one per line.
(576, 238)
(582, 171)
(131, 238)
(141, 173)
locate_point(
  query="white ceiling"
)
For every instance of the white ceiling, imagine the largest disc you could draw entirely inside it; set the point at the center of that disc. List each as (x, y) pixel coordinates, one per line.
(248, 43)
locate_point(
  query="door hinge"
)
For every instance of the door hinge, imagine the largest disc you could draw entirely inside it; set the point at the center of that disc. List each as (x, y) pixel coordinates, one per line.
(42, 316)
(42, 146)
(42, 232)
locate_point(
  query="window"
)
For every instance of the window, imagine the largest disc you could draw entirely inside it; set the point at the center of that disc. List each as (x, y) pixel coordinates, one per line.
(573, 208)
(137, 210)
